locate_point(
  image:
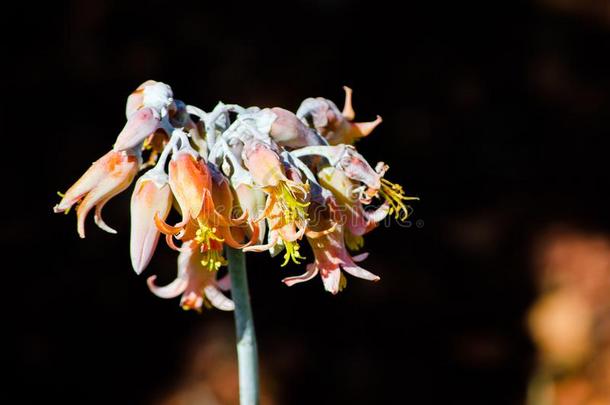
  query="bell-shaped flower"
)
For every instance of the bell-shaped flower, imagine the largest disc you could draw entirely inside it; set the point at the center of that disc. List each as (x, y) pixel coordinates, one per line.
(248, 197)
(196, 282)
(356, 219)
(252, 200)
(331, 256)
(287, 201)
(151, 197)
(106, 177)
(282, 235)
(336, 126)
(356, 168)
(198, 192)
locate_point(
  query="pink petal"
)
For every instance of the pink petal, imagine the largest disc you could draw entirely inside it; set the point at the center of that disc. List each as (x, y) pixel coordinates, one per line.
(360, 257)
(331, 280)
(311, 272)
(218, 299)
(139, 126)
(171, 290)
(359, 272)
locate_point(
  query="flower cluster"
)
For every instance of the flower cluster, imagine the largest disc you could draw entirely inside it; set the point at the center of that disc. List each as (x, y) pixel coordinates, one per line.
(250, 178)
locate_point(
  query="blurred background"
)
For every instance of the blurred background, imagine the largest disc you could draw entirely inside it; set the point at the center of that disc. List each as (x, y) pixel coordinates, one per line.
(495, 115)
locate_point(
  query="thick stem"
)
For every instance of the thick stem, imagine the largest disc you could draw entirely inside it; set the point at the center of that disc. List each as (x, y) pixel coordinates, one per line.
(247, 356)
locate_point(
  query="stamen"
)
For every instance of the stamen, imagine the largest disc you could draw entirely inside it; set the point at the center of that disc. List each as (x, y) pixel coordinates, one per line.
(395, 195)
(211, 247)
(292, 253)
(293, 209)
(62, 195)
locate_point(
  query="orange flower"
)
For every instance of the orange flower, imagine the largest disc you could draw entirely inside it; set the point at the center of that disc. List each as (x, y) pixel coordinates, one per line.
(336, 126)
(197, 192)
(106, 177)
(196, 283)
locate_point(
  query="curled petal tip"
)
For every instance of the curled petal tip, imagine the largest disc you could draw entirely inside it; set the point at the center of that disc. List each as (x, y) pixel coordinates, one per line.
(348, 110)
(170, 290)
(100, 222)
(365, 128)
(360, 257)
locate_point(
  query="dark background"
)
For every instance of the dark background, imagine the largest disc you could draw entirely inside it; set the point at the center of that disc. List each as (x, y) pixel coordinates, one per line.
(495, 115)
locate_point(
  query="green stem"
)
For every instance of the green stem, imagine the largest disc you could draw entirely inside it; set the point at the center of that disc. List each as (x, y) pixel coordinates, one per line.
(247, 356)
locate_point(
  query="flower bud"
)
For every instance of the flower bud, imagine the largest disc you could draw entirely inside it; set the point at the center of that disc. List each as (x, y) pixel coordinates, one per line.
(149, 197)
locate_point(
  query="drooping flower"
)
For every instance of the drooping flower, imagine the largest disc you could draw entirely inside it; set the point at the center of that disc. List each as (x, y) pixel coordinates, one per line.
(331, 256)
(191, 182)
(371, 181)
(195, 282)
(106, 177)
(356, 220)
(287, 199)
(336, 126)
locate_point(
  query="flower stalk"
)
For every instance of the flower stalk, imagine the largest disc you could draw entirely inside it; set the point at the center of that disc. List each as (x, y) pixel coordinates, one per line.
(247, 356)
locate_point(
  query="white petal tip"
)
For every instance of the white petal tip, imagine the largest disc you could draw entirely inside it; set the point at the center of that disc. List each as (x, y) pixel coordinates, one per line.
(227, 307)
(137, 267)
(102, 225)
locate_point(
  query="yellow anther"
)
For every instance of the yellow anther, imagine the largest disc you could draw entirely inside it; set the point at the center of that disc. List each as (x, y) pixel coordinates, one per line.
(212, 256)
(292, 253)
(395, 195)
(205, 235)
(292, 206)
(62, 195)
(212, 260)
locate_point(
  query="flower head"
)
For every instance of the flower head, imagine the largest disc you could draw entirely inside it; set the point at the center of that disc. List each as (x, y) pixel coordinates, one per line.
(246, 178)
(287, 201)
